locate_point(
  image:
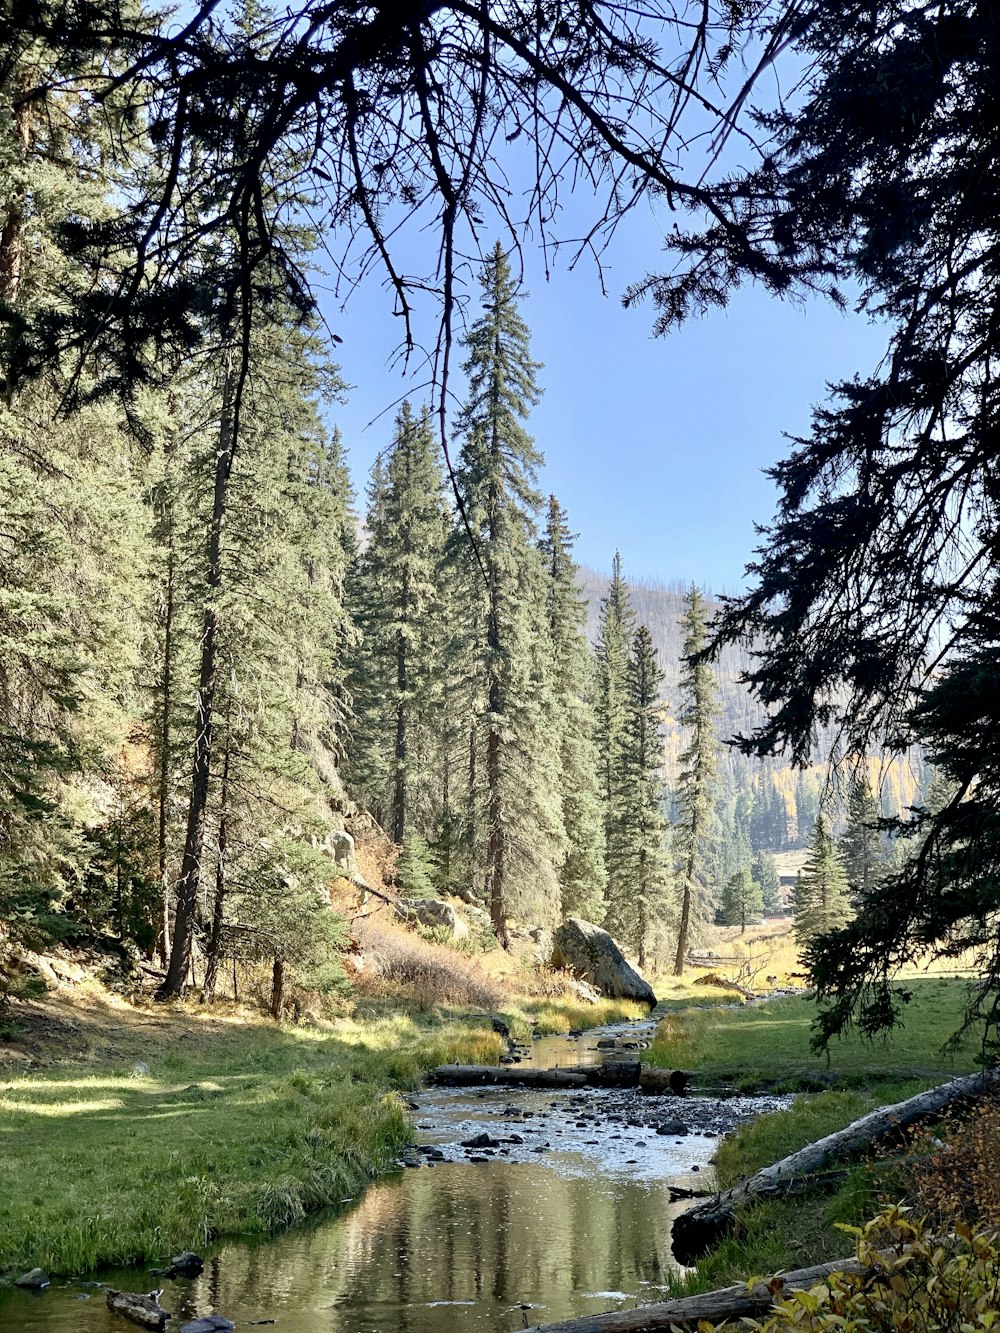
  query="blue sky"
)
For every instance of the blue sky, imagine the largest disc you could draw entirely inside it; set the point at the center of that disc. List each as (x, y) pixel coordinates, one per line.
(654, 446)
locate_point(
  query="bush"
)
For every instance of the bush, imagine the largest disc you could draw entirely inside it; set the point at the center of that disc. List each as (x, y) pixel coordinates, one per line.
(913, 1281)
(396, 959)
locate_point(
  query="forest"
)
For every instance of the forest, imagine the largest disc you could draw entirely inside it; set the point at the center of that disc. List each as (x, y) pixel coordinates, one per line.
(305, 776)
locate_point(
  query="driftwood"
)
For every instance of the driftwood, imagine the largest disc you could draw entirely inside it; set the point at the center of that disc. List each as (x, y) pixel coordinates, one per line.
(142, 1310)
(700, 1227)
(612, 1074)
(722, 1306)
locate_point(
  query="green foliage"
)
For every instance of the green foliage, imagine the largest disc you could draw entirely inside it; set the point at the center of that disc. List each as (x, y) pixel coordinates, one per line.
(516, 833)
(699, 764)
(821, 896)
(742, 900)
(639, 903)
(415, 868)
(765, 874)
(582, 875)
(398, 597)
(911, 1279)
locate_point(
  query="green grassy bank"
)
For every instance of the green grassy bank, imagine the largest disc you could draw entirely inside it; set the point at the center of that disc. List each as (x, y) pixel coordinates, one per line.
(239, 1126)
(767, 1045)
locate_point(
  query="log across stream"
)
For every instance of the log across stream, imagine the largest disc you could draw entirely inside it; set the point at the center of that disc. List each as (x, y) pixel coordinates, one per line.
(564, 1210)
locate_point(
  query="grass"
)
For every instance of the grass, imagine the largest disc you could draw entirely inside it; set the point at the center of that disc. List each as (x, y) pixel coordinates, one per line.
(243, 1128)
(766, 1045)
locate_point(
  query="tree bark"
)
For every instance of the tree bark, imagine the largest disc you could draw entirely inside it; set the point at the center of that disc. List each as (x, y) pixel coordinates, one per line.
(723, 1306)
(187, 889)
(163, 776)
(701, 1227)
(218, 908)
(684, 928)
(277, 988)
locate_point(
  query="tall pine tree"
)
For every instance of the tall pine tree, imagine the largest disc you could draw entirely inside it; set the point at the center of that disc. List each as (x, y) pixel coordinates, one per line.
(698, 710)
(614, 641)
(514, 760)
(582, 874)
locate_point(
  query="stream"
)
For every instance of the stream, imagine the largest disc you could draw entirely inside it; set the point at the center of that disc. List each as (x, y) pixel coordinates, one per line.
(566, 1210)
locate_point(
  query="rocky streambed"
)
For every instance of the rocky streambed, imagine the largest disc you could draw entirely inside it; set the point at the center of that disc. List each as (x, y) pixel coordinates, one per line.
(511, 1207)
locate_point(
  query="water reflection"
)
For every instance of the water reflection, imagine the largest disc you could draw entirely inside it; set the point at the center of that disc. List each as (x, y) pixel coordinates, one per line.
(455, 1247)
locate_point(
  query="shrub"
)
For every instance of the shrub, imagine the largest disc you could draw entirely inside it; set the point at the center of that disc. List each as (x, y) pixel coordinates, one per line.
(396, 959)
(913, 1281)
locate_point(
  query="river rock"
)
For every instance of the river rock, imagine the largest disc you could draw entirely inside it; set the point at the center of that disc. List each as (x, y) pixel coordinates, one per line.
(144, 1310)
(673, 1127)
(186, 1264)
(35, 1278)
(434, 913)
(210, 1323)
(591, 953)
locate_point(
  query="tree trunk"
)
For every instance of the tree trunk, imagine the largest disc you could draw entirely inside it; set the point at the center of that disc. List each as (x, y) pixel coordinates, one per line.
(187, 889)
(399, 778)
(684, 929)
(727, 1305)
(700, 1227)
(12, 230)
(277, 987)
(215, 939)
(163, 776)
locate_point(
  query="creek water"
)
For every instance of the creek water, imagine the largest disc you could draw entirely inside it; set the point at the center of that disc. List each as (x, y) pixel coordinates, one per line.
(567, 1211)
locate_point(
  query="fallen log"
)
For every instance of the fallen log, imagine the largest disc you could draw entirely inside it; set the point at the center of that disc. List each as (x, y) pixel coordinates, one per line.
(696, 1230)
(456, 1076)
(724, 1305)
(663, 1080)
(143, 1310)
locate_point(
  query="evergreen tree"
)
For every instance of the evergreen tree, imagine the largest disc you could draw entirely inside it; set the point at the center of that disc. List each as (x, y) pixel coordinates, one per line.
(861, 846)
(697, 713)
(397, 680)
(821, 894)
(765, 873)
(742, 899)
(613, 645)
(640, 837)
(582, 875)
(513, 782)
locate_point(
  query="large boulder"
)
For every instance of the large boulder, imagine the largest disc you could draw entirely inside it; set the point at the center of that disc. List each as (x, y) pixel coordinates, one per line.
(590, 952)
(434, 913)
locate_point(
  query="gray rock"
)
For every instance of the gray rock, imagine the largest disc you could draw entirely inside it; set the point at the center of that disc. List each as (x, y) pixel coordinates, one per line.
(674, 1127)
(434, 913)
(35, 1278)
(591, 953)
(210, 1323)
(186, 1264)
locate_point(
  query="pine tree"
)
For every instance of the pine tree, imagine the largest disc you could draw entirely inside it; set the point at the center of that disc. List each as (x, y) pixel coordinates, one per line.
(742, 899)
(614, 641)
(821, 893)
(517, 772)
(582, 875)
(641, 849)
(765, 872)
(861, 846)
(697, 713)
(397, 681)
